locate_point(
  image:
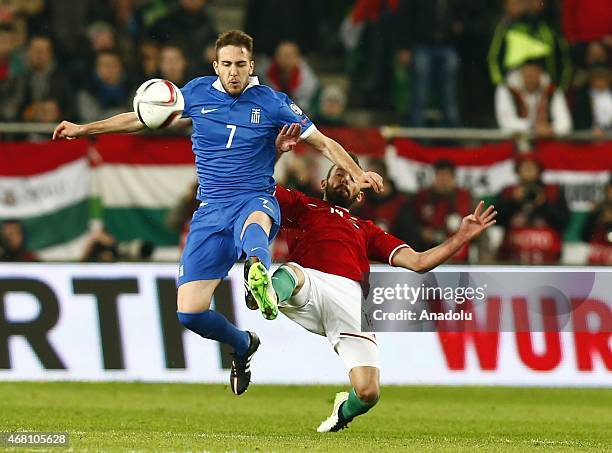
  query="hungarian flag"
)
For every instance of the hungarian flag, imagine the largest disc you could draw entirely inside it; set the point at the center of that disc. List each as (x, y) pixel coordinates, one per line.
(48, 187)
(127, 182)
(582, 169)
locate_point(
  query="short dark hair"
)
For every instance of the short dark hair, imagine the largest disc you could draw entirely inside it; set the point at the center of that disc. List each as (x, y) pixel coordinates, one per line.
(11, 221)
(110, 52)
(538, 62)
(173, 45)
(42, 36)
(445, 164)
(529, 157)
(353, 156)
(234, 38)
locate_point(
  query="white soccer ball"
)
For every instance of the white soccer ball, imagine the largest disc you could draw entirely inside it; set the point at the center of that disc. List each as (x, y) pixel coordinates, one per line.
(158, 102)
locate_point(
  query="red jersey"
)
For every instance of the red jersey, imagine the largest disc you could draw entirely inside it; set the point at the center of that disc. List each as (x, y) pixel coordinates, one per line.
(329, 239)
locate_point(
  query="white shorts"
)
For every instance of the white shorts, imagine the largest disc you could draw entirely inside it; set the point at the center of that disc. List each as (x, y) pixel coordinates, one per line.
(330, 305)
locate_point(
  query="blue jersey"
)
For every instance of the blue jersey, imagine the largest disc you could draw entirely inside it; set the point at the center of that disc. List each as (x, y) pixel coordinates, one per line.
(233, 137)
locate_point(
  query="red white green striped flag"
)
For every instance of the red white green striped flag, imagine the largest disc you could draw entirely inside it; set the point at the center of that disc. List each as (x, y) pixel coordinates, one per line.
(50, 186)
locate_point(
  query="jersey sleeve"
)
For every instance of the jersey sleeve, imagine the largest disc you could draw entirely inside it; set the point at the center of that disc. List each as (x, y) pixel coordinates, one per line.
(381, 245)
(289, 113)
(291, 204)
(187, 92)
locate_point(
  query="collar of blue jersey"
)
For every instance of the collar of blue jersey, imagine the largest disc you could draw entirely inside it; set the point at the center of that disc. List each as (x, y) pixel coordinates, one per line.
(252, 82)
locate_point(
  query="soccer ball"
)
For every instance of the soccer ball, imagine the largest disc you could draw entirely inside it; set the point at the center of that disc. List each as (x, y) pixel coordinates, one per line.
(158, 102)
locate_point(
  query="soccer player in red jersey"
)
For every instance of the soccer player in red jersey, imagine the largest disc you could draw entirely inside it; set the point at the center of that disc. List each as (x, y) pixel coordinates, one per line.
(320, 287)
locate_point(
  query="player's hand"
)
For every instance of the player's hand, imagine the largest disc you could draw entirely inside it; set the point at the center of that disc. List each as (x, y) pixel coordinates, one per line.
(475, 223)
(288, 137)
(370, 179)
(68, 130)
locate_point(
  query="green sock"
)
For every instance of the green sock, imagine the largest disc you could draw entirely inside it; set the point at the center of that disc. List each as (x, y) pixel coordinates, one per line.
(353, 406)
(283, 283)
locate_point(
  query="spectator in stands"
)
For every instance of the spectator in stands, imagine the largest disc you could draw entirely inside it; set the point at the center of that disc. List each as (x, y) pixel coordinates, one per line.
(43, 111)
(368, 33)
(42, 81)
(128, 23)
(102, 247)
(596, 55)
(107, 92)
(382, 208)
(476, 91)
(190, 26)
(147, 60)
(101, 37)
(438, 210)
(534, 215)
(593, 106)
(427, 31)
(332, 105)
(173, 65)
(523, 34)
(513, 15)
(290, 73)
(529, 102)
(13, 245)
(597, 230)
(24, 17)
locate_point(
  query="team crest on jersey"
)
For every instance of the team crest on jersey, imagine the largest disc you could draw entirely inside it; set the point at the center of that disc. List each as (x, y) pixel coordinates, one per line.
(295, 109)
(255, 116)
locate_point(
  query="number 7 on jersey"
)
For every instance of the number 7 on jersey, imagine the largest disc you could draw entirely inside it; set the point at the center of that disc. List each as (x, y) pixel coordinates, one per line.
(232, 128)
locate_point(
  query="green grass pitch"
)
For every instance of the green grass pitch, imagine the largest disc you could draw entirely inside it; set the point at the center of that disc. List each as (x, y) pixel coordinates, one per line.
(189, 417)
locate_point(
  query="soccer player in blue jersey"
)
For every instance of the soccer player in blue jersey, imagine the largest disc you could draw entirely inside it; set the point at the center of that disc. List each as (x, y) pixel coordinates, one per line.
(235, 123)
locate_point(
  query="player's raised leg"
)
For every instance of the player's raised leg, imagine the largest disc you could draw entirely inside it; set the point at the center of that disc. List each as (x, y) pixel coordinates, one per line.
(257, 230)
(254, 237)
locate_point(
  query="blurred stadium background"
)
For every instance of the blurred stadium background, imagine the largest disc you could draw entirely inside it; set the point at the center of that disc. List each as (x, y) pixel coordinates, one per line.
(451, 101)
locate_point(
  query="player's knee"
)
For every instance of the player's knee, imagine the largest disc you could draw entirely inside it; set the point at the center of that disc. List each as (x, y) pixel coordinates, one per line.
(260, 218)
(368, 392)
(298, 275)
(188, 320)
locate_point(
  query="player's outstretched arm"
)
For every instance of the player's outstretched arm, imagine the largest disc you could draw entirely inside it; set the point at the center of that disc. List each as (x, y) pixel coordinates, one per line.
(471, 226)
(119, 124)
(338, 155)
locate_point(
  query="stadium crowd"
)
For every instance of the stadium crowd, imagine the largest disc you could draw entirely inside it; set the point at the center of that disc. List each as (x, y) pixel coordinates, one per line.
(533, 65)
(441, 62)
